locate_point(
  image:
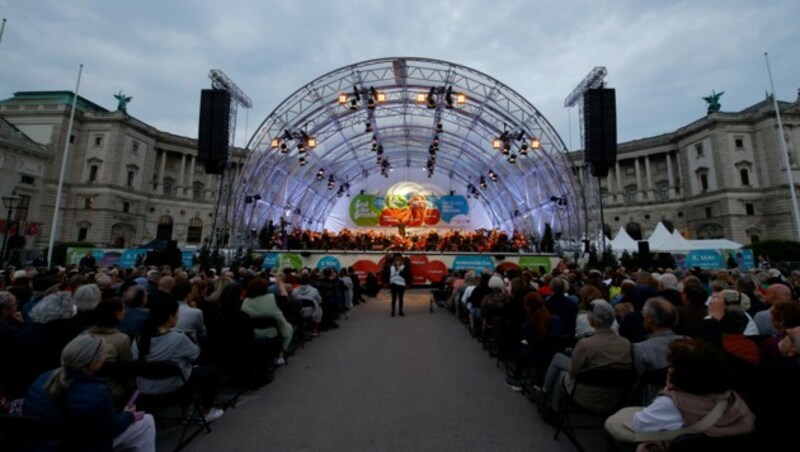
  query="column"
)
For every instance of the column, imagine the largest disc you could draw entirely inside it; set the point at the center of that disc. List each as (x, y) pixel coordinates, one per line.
(190, 183)
(679, 183)
(161, 170)
(609, 186)
(182, 170)
(648, 177)
(619, 179)
(670, 181)
(638, 177)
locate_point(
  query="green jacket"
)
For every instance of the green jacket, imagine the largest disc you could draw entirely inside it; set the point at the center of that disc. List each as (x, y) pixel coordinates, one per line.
(264, 306)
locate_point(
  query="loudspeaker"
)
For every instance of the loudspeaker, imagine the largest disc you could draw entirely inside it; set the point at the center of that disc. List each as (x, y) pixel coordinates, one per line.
(644, 254)
(213, 132)
(172, 245)
(600, 129)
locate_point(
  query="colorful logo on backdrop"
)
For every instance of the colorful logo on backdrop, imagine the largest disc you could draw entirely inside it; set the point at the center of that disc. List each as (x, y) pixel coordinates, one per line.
(282, 261)
(705, 259)
(410, 204)
(534, 262)
(476, 263)
(329, 262)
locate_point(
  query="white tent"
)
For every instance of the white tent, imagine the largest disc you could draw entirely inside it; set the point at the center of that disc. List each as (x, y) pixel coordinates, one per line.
(623, 242)
(660, 239)
(681, 244)
(715, 244)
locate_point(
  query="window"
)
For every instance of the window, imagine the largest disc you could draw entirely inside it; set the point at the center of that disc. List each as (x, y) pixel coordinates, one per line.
(82, 234)
(630, 170)
(750, 208)
(630, 194)
(21, 213)
(739, 142)
(131, 175)
(88, 203)
(708, 212)
(698, 149)
(98, 141)
(169, 186)
(195, 231)
(126, 207)
(93, 173)
(197, 191)
(71, 139)
(663, 192)
(135, 148)
(164, 231)
(755, 239)
(29, 180)
(703, 181)
(745, 175)
(634, 230)
(661, 166)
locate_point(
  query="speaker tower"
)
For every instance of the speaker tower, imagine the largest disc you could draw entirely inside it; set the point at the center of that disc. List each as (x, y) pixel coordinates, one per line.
(600, 129)
(213, 131)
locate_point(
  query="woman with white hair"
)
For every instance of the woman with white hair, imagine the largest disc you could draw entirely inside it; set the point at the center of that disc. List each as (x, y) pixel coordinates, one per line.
(71, 396)
(86, 298)
(38, 347)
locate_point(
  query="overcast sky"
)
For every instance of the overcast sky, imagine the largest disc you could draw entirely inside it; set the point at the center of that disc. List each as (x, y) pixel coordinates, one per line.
(662, 57)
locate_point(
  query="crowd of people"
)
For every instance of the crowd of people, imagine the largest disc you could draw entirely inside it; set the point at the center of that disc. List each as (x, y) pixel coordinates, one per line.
(73, 341)
(481, 240)
(709, 352)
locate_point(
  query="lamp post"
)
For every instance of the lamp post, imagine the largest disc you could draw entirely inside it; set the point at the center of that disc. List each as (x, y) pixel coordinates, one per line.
(10, 202)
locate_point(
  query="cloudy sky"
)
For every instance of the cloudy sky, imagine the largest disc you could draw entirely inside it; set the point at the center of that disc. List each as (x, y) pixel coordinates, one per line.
(662, 57)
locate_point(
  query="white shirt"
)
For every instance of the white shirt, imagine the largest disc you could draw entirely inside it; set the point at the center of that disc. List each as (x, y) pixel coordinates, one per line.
(660, 415)
(396, 278)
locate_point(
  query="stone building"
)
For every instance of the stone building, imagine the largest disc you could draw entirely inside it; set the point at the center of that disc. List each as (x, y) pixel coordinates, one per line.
(126, 182)
(720, 176)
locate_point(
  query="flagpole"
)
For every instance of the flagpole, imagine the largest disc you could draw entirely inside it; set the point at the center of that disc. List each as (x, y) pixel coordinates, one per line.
(784, 151)
(2, 29)
(63, 170)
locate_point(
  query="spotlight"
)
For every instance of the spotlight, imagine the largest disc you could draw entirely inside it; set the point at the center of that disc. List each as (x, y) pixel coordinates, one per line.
(374, 139)
(284, 148)
(523, 150)
(506, 148)
(439, 128)
(432, 98)
(512, 158)
(342, 98)
(448, 97)
(311, 142)
(380, 149)
(367, 127)
(371, 103)
(497, 143)
(436, 141)
(321, 174)
(302, 161)
(535, 144)
(275, 142)
(301, 148)
(422, 97)
(461, 98)
(353, 105)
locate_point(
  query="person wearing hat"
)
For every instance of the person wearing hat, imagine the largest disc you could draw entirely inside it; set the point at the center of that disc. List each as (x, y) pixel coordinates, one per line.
(42, 286)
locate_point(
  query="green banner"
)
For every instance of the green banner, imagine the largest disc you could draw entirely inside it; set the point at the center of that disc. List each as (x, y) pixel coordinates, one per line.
(533, 263)
(364, 212)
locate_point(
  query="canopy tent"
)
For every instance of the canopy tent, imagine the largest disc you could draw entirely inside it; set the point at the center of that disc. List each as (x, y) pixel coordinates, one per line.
(715, 244)
(663, 242)
(623, 241)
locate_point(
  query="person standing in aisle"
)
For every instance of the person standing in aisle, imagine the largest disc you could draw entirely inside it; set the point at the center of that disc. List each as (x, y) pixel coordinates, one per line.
(398, 280)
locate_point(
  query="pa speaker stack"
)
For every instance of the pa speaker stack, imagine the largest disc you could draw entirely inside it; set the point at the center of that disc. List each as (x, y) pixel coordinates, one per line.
(214, 130)
(600, 129)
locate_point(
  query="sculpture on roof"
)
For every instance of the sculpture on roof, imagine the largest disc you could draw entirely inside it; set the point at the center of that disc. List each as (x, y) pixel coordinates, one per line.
(713, 101)
(122, 101)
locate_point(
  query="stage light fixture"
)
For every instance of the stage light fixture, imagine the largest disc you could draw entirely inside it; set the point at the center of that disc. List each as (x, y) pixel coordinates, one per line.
(431, 98)
(342, 98)
(448, 97)
(436, 141)
(275, 142)
(422, 97)
(512, 158)
(303, 161)
(461, 98)
(284, 148)
(523, 150)
(380, 149)
(311, 142)
(439, 128)
(301, 148)
(497, 143)
(535, 144)
(367, 127)
(353, 105)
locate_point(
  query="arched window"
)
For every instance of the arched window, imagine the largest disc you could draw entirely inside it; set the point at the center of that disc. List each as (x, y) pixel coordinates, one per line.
(131, 175)
(195, 231)
(745, 175)
(93, 173)
(164, 231)
(634, 230)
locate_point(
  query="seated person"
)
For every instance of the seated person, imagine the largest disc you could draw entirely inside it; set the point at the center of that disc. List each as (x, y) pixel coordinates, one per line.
(161, 342)
(73, 397)
(776, 293)
(693, 309)
(698, 393)
(262, 305)
(309, 296)
(650, 355)
(107, 316)
(190, 319)
(603, 349)
(136, 310)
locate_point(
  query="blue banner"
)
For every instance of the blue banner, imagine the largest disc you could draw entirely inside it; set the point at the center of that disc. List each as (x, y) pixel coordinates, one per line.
(270, 261)
(329, 262)
(477, 263)
(452, 206)
(187, 258)
(129, 257)
(705, 259)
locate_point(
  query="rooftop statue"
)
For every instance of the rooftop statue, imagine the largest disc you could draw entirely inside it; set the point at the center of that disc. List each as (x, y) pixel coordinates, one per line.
(713, 101)
(122, 101)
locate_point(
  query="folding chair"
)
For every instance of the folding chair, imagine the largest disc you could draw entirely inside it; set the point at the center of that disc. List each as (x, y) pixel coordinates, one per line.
(610, 378)
(181, 397)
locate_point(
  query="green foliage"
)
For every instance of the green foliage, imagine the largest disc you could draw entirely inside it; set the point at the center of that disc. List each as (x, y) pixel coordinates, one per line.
(593, 262)
(608, 259)
(630, 261)
(776, 250)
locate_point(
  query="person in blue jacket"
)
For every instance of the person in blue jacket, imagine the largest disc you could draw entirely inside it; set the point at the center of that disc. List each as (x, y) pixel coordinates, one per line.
(81, 403)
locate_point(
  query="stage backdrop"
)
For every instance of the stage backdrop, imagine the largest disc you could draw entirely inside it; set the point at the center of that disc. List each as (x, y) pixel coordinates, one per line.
(415, 205)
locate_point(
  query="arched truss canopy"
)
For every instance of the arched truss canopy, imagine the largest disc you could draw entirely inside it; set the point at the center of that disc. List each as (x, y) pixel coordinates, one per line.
(418, 103)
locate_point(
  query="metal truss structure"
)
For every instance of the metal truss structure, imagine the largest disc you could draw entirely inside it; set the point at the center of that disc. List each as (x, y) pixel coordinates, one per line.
(387, 112)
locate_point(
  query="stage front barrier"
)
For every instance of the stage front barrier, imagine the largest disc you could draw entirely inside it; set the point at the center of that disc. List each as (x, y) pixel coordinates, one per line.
(426, 267)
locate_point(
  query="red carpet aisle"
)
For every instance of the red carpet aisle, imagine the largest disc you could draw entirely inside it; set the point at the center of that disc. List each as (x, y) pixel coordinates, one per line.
(381, 383)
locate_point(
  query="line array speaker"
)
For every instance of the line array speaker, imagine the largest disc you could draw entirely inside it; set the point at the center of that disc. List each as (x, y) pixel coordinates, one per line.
(213, 131)
(600, 129)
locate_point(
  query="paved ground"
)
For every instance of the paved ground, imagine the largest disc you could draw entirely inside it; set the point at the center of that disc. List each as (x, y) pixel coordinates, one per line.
(381, 383)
